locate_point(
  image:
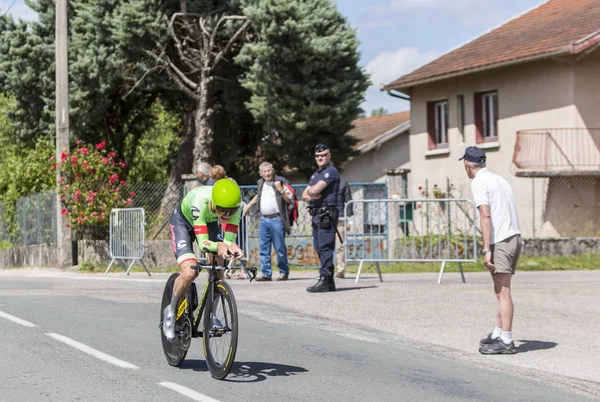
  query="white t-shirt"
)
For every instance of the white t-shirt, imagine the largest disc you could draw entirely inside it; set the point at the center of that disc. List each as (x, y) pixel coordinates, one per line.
(493, 190)
(268, 201)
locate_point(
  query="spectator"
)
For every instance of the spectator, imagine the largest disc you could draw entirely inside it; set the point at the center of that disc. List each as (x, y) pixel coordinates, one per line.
(203, 173)
(344, 196)
(321, 194)
(217, 173)
(502, 242)
(273, 198)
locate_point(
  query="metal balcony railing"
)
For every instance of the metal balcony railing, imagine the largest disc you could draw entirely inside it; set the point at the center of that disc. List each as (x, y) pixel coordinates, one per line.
(557, 151)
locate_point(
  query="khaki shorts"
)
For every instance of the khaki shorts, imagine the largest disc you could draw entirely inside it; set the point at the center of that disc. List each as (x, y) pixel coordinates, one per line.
(505, 254)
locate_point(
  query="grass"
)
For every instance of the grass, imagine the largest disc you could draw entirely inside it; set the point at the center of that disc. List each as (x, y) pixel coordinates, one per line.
(562, 263)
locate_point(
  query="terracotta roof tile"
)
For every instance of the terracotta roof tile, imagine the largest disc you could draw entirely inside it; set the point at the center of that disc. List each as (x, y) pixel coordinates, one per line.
(369, 128)
(551, 28)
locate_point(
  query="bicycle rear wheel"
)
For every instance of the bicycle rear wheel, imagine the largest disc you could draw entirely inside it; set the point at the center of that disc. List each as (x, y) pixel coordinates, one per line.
(220, 331)
(173, 350)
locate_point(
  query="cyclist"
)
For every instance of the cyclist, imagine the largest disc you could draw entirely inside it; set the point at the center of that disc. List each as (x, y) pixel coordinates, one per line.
(211, 215)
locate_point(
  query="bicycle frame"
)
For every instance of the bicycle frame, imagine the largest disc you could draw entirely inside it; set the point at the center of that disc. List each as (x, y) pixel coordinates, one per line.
(213, 280)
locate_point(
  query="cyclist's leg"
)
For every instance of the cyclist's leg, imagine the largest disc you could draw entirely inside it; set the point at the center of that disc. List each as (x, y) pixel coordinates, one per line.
(182, 240)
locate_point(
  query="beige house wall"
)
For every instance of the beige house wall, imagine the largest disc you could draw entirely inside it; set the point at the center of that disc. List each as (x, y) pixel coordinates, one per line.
(368, 167)
(543, 94)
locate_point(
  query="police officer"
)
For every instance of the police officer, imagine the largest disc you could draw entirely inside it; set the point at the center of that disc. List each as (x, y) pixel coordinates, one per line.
(321, 196)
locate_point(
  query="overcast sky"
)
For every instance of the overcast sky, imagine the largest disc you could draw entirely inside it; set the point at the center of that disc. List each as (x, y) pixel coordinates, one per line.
(398, 36)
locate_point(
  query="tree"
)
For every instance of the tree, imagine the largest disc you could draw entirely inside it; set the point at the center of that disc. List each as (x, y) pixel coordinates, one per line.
(379, 112)
(304, 76)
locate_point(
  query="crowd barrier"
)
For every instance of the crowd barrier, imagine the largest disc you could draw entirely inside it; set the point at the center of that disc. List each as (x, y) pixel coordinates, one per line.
(415, 230)
(127, 238)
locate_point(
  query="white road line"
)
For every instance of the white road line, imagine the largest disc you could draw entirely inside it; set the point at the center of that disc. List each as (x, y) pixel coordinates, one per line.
(190, 393)
(92, 352)
(17, 320)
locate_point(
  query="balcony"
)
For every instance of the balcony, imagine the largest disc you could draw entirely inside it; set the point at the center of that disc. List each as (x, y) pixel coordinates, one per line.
(557, 152)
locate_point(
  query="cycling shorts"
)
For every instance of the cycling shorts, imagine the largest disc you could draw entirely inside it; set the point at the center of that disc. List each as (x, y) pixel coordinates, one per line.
(183, 237)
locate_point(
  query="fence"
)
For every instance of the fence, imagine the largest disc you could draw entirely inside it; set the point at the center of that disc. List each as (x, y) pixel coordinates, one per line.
(34, 220)
(418, 230)
(127, 238)
(299, 243)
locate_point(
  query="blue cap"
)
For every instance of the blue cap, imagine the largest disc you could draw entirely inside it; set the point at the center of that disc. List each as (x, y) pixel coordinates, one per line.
(474, 154)
(321, 148)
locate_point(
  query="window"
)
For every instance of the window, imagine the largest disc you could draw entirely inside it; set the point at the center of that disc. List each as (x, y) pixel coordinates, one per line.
(460, 115)
(437, 124)
(486, 116)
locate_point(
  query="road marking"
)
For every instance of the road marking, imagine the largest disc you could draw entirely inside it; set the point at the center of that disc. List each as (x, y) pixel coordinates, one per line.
(190, 393)
(17, 320)
(92, 352)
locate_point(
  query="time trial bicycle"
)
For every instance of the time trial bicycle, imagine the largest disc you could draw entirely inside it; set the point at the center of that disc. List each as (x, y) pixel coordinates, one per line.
(218, 310)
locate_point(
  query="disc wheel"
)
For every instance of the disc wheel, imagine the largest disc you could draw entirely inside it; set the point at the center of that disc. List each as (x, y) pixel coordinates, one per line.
(175, 350)
(220, 331)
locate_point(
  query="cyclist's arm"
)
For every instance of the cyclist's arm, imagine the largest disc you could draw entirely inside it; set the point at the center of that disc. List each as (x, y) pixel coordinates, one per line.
(201, 231)
(231, 228)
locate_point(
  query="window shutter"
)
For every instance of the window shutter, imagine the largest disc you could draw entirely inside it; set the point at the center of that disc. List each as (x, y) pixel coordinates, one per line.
(478, 110)
(431, 125)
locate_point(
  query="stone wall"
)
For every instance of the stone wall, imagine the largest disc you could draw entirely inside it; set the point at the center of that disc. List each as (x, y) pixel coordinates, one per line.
(159, 255)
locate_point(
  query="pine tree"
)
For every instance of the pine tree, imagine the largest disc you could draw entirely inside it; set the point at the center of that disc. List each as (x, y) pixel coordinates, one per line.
(304, 76)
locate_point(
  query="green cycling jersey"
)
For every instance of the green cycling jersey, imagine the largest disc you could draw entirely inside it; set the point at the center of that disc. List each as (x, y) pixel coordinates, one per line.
(199, 211)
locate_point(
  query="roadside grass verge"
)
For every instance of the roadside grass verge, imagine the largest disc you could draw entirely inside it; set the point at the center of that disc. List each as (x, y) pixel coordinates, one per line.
(560, 263)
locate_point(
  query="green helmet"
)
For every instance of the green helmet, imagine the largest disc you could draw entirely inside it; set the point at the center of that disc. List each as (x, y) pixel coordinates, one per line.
(226, 194)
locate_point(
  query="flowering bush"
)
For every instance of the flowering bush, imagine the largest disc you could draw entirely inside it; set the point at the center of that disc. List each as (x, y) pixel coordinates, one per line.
(437, 192)
(90, 187)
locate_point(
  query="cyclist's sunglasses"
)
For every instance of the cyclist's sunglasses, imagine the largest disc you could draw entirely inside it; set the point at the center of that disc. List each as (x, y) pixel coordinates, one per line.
(226, 211)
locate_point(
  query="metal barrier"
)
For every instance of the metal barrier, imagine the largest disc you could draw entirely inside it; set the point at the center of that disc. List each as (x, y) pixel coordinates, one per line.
(300, 249)
(417, 230)
(127, 237)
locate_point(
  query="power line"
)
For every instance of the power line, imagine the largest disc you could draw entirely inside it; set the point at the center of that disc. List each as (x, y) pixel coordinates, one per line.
(9, 7)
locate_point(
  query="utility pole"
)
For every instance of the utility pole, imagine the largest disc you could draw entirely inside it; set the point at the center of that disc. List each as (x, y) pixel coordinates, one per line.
(63, 233)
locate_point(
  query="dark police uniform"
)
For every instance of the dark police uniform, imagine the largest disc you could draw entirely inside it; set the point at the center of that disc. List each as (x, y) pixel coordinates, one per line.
(324, 227)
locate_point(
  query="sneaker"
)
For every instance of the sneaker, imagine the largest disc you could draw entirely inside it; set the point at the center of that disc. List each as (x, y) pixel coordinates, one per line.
(488, 340)
(169, 323)
(498, 348)
(262, 278)
(340, 275)
(283, 277)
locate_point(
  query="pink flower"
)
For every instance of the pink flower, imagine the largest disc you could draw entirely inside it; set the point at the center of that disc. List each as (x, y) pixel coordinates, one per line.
(104, 160)
(84, 151)
(79, 142)
(114, 177)
(112, 154)
(85, 163)
(420, 188)
(68, 225)
(53, 166)
(64, 156)
(102, 216)
(64, 211)
(76, 174)
(53, 157)
(79, 220)
(132, 194)
(60, 180)
(101, 145)
(102, 207)
(129, 201)
(88, 169)
(73, 159)
(123, 182)
(122, 164)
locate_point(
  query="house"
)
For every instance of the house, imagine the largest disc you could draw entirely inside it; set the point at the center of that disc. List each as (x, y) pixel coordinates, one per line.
(382, 143)
(528, 92)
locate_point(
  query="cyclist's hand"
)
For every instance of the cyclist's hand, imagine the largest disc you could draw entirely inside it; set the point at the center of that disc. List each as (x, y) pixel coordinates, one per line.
(235, 252)
(222, 250)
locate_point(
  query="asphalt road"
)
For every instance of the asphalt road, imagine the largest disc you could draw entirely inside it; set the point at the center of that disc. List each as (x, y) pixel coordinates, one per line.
(72, 337)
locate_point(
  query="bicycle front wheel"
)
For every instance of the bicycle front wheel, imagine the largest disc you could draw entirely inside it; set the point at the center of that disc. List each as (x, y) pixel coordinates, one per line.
(220, 331)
